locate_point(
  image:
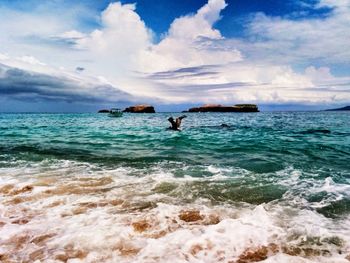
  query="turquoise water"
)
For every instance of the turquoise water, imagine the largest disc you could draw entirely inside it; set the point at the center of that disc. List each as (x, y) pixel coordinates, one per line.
(290, 163)
(263, 144)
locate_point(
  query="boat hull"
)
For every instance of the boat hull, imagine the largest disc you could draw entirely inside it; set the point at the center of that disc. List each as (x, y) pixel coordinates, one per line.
(115, 115)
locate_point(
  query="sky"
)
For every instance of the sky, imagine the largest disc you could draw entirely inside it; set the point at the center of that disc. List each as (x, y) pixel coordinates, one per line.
(81, 56)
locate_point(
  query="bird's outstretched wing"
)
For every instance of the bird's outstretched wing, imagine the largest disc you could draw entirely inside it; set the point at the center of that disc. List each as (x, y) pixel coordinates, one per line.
(178, 121)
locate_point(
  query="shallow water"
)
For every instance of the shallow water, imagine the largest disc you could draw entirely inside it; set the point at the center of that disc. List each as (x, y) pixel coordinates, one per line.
(271, 187)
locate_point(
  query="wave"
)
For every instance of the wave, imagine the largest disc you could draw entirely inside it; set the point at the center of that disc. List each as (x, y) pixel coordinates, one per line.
(64, 210)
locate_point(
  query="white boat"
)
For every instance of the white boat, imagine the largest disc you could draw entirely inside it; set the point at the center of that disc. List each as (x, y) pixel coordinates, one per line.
(115, 113)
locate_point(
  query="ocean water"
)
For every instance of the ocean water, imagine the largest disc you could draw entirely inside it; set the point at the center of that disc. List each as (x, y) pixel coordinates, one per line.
(271, 187)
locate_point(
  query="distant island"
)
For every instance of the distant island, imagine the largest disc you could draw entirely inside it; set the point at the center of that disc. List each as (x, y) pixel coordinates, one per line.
(346, 108)
(135, 109)
(140, 109)
(221, 108)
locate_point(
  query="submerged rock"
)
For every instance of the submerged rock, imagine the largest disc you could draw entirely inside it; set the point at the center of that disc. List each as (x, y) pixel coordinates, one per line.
(221, 108)
(141, 226)
(140, 109)
(254, 255)
(190, 216)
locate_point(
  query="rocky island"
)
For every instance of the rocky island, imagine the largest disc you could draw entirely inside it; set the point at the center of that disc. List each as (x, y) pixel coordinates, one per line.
(140, 109)
(221, 108)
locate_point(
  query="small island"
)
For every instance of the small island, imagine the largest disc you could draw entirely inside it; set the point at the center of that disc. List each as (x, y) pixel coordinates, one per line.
(221, 108)
(140, 109)
(134, 109)
(346, 108)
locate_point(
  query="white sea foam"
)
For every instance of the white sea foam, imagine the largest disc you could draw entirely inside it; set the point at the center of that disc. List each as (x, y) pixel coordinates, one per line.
(76, 212)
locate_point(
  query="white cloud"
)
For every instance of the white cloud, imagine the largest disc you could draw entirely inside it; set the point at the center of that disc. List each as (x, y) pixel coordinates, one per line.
(123, 32)
(319, 74)
(31, 60)
(340, 5)
(288, 40)
(324, 79)
(185, 42)
(113, 50)
(200, 24)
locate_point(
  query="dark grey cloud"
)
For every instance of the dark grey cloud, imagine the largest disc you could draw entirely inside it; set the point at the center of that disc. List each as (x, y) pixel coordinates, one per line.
(57, 42)
(79, 69)
(188, 72)
(30, 86)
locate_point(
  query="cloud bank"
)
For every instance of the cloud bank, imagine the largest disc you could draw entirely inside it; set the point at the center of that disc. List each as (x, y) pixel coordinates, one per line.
(54, 85)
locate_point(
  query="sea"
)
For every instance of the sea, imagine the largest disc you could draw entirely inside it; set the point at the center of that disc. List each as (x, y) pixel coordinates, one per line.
(263, 187)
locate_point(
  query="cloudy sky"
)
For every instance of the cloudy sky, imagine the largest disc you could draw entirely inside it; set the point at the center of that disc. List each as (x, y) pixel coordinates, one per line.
(61, 55)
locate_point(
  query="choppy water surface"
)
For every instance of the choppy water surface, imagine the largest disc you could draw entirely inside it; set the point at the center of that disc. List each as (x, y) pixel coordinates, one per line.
(271, 187)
